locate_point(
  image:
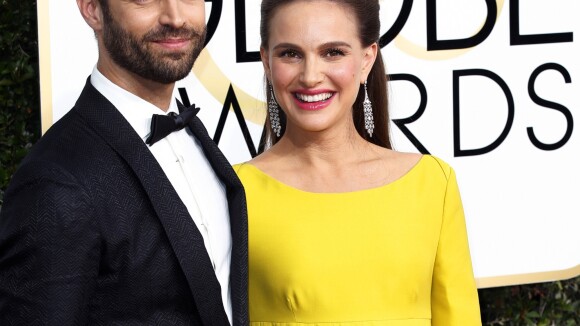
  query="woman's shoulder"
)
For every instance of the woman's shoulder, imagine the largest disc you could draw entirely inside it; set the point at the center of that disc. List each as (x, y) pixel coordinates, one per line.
(397, 163)
(243, 167)
(402, 158)
(248, 174)
(438, 165)
(253, 166)
(429, 164)
(262, 162)
(437, 170)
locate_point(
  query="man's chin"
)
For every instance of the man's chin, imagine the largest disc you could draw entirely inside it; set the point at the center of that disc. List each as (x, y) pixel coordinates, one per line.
(168, 75)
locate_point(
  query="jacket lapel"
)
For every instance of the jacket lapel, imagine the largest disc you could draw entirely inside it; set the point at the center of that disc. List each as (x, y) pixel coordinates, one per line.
(185, 238)
(238, 221)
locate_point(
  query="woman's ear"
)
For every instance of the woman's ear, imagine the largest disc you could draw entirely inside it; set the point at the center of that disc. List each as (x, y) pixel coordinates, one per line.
(369, 57)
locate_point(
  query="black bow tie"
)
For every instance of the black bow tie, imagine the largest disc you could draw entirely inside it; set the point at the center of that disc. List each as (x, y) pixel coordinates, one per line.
(163, 125)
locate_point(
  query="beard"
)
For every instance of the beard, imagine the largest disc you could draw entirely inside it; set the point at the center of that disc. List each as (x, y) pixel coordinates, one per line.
(134, 53)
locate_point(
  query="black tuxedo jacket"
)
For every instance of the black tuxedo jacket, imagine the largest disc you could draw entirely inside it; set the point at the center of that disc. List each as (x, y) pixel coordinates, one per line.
(93, 233)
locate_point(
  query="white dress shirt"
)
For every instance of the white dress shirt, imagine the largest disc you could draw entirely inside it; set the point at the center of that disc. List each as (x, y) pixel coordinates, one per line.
(185, 165)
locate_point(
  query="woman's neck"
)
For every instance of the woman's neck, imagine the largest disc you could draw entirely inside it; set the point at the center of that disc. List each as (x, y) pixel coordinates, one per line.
(329, 148)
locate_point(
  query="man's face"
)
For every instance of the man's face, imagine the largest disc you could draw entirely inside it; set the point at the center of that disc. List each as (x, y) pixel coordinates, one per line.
(158, 40)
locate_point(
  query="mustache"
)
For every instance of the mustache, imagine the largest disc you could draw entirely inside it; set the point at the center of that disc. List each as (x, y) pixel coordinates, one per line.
(165, 32)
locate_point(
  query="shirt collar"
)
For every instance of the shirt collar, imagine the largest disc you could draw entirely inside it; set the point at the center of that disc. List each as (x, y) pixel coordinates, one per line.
(136, 110)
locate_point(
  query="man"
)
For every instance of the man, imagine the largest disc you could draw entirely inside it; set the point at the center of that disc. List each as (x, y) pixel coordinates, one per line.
(108, 222)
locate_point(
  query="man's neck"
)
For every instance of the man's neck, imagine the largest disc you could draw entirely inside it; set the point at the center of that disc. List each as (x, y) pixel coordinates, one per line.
(158, 94)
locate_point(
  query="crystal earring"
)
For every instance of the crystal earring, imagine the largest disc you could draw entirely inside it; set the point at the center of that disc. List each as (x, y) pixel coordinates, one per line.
(273, 110)
(368, 113)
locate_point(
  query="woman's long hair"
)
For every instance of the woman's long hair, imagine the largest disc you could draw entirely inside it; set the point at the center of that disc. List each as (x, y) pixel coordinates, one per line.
(367, 17)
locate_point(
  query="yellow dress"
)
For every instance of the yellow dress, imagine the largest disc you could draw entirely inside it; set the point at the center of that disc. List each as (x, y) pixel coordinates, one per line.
(393, 255)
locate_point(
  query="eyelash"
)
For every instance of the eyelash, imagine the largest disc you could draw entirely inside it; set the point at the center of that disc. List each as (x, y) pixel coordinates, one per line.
(289, 54)
(333, 52)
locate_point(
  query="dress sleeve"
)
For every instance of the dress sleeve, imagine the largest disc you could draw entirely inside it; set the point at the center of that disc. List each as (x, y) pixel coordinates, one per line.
(454, 300)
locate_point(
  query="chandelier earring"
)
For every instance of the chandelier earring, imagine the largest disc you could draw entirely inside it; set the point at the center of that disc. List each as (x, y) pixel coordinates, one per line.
(273, 111)
(368, 113)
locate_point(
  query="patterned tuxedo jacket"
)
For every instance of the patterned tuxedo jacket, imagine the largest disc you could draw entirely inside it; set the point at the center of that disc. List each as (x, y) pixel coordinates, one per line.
(93, 233)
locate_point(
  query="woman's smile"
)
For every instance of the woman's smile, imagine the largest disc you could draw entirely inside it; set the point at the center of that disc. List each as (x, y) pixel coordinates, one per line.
(313, 100)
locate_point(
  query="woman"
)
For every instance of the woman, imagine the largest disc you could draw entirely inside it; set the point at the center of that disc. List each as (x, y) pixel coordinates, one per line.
(342, 229)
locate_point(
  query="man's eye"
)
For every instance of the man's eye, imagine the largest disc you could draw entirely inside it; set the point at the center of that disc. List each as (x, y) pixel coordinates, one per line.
(289, 54)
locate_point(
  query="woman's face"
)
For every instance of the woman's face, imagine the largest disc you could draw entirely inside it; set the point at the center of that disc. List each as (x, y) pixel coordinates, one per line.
(316, 64)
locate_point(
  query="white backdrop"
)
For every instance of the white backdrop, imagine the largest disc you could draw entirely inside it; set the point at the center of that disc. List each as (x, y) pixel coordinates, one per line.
(498, 92)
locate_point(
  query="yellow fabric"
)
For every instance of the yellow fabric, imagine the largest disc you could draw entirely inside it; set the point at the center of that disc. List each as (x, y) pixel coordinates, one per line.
(392, 255)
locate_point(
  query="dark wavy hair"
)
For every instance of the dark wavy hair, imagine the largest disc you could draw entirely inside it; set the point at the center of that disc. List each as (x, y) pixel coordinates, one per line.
(367, 17)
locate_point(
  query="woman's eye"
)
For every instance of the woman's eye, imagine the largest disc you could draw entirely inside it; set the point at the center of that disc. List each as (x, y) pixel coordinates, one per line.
(334, 52)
